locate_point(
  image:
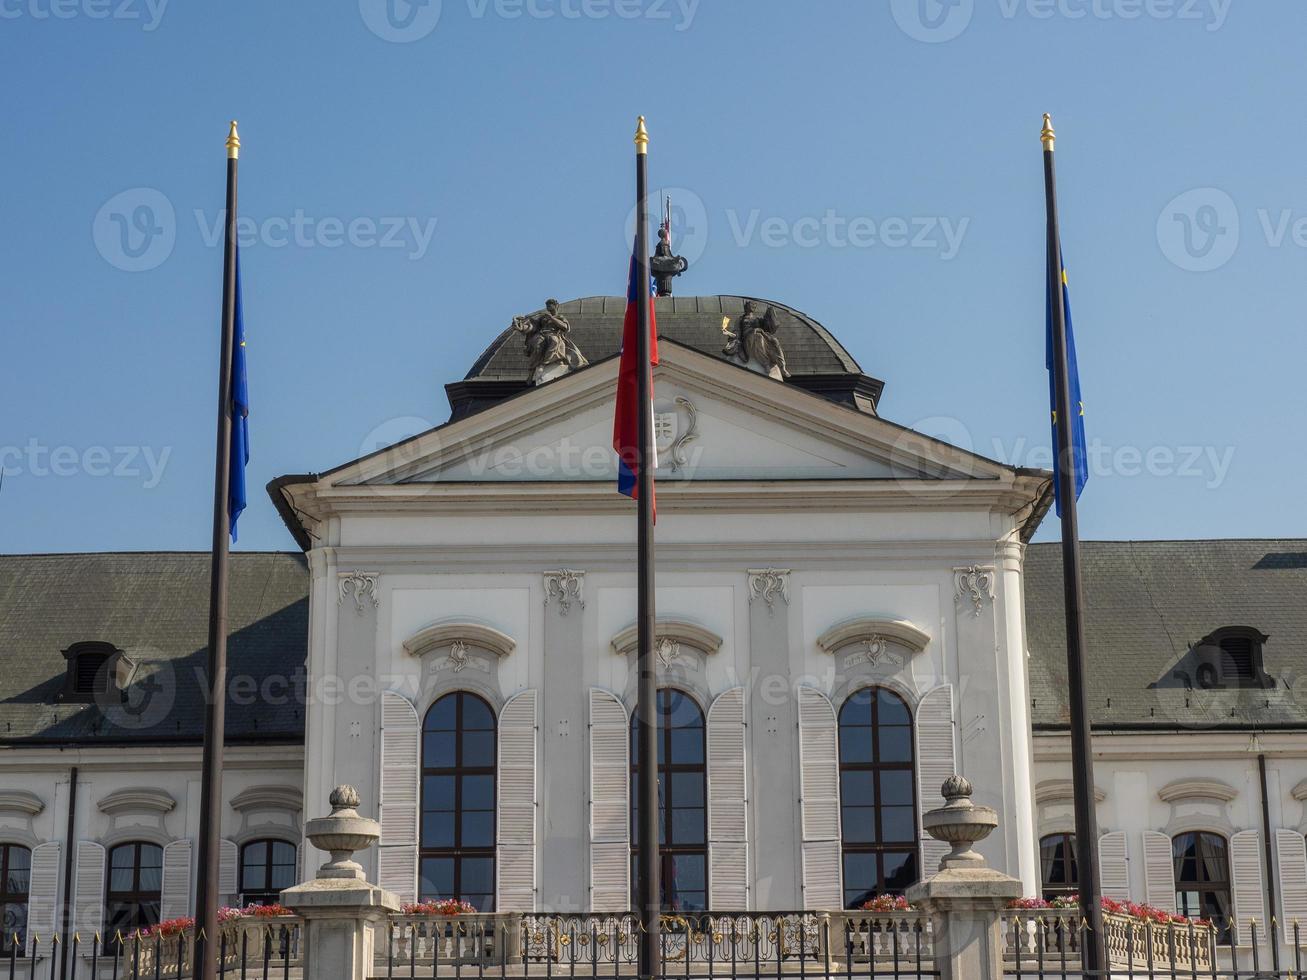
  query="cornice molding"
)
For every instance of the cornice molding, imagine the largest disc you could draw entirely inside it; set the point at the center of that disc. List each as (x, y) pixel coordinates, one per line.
(447, 633)
(676, 631)
(137, 799)
(268, 797)
(1062, 791)
(1182, 790)
(20, 801)
(872, 630)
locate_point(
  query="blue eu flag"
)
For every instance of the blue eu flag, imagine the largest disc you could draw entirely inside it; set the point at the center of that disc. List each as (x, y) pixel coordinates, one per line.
(1079, 452)
(238, 454)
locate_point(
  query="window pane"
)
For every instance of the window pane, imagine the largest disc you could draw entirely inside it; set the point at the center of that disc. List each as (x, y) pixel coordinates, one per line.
(20, 864)
(478, 829)
(900, 870)
(438, 750)
(687, 789)
(859, 824)
(895, 744)
(687, 826)
(857, 709)
(443, 714)
(122, 857)
(685, 881)
(151, 879)
(891, 709)
(438, 829)
(254, 874)
(687, 746)
(478, 875)
(855, 745)
(860, 878)
(478, 792)
(682, 711)
(13, 920)
(858, 788)
(479, 749)
(437, 877)
(437, 793)
(121, 880)
(283, 876)
(476, 714)
(898, 823)
(283, 853)
(896, 788)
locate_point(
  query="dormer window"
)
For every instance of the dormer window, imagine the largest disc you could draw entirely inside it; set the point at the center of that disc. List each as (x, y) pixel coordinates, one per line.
(1233, 658)
(96, 670)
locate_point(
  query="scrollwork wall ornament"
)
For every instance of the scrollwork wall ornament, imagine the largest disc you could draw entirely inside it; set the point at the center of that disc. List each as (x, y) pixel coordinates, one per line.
(689, 435)
(567, 586)
(668, 651)
(768, 584)
(458, 656)
(974, 583)
(359, 586)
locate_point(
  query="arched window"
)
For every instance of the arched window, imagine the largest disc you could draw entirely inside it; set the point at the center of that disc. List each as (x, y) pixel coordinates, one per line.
(878, 796)
(267, 867)
(15, 881)
(135, 878)
(1202, 879)
(457, 857)
(682, 810)
(1057, 864)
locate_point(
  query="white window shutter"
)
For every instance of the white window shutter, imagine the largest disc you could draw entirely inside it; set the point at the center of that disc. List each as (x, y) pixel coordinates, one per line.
(1159, 871)
(43, 893)
(175, 897)
(819, 806)
(228, 870)
(516, 852)
(610, 802)
(1291, 856)
(935, 764)
(728, 853)
(1247, 886)
(397, 856)
(1114, 866)
(88, 889)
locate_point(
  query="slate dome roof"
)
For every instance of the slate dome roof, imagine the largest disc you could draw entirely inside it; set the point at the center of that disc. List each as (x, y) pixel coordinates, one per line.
(816, 360)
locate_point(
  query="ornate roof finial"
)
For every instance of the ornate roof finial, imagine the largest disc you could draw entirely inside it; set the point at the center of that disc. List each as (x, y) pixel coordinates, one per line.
(233, 143)
(1048, 137)
(641, 137)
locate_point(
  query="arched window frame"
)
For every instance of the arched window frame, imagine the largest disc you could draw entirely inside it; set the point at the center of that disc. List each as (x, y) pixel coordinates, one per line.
(670, 848)
(267, 890)
(1058, 874)
(137, 905)
(15, 893)
(850, 768)
(1203, 895)
(458, 851)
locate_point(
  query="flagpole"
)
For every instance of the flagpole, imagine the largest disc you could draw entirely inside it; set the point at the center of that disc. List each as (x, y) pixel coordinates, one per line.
(208, 860)
(646, 710)
(1092, 950)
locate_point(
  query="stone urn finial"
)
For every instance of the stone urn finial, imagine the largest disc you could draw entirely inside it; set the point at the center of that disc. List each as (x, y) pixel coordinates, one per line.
(960, 823)
(342, 833)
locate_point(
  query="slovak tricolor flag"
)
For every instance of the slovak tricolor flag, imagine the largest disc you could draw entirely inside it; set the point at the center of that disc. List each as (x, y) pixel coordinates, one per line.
(626, 421)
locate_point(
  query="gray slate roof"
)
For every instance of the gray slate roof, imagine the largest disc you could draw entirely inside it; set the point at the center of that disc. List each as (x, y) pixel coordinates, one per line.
(1148, 603)
(155, 608)
(695, 321)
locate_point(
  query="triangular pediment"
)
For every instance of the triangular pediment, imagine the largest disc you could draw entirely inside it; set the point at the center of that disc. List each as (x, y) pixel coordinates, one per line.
(715, 422)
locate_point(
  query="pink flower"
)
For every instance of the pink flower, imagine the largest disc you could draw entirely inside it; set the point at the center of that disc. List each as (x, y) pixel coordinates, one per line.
(887, 903)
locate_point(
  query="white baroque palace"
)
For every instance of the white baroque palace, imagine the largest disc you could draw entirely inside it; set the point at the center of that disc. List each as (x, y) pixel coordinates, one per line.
(848, 612)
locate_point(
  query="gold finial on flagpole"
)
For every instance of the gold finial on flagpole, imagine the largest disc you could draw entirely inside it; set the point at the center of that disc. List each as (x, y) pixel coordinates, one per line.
(641, 137)
(233, 143)
(1048, 137)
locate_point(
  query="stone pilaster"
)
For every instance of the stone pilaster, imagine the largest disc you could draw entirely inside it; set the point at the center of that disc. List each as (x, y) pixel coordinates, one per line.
(564, 849)
(773, 744)
(347, 694)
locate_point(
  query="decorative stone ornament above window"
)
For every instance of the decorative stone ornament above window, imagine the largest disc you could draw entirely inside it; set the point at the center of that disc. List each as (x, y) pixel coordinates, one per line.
(769, 584)
(565, 586)
(1200, 790)
(137, 799)
(21, 802)
(466, 645)
(1053, 791)
(874, 636)
(974, 584)
(672, 638)
(1198, 803)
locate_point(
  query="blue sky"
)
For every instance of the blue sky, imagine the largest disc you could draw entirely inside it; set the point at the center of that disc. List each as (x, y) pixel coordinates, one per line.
(447, 172)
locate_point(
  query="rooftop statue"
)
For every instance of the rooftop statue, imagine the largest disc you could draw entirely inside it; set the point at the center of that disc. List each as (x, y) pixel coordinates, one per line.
(755, 343)
(664, 265)
(552, 353)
